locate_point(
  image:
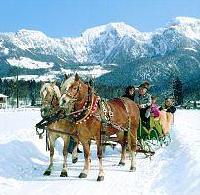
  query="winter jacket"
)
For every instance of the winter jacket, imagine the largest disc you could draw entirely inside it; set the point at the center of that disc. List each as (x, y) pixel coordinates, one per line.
(155, 110)
(171, 109)
(131, 97)
(144, 101)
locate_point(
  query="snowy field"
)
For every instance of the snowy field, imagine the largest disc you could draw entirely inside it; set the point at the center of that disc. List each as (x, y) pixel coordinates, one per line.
(173, 170)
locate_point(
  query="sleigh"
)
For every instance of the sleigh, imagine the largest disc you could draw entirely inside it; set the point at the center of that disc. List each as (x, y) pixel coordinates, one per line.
(153, 139)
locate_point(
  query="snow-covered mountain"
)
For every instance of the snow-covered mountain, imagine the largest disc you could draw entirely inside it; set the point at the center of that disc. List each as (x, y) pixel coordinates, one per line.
(173, 49)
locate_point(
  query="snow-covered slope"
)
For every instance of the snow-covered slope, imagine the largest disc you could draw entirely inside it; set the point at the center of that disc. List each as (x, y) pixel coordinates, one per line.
(190, 27)
(23, 62)
(173, 170)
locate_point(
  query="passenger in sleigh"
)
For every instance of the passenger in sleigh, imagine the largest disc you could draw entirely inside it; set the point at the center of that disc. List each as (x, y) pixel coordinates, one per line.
(162, 117)
(168, 106)
(155, 109)
(167, 112)
(155, 119)
(130, 92)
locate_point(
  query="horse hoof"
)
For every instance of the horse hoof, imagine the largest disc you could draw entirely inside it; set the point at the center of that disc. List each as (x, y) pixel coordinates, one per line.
(100, 178)
(132, 169)
(121, 163)
(47, 173)
(82, 175)
(74, 160)
(64, 174)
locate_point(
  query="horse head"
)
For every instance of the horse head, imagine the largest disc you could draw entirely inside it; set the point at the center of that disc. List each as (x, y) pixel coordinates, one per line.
(50, 95)
(73, 90)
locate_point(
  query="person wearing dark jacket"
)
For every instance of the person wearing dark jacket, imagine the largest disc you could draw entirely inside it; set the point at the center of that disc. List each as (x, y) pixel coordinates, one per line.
(168, 106)
(143, 100)
(130, 92)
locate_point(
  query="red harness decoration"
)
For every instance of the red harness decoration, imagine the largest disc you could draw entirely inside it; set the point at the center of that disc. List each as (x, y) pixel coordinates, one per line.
(91, 110)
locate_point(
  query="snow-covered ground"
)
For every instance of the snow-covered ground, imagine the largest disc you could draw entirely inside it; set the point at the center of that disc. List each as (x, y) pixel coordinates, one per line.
(23, 62)
(173, 170)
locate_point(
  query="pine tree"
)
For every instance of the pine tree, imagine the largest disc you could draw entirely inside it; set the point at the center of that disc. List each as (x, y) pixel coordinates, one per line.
(32, 89)
(178, 91)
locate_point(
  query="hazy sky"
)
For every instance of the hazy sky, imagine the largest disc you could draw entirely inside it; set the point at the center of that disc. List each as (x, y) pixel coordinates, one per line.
(62, 18)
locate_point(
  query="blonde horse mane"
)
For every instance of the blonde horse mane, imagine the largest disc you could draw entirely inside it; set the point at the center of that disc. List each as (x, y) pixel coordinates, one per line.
(67, 83)
(51, 88)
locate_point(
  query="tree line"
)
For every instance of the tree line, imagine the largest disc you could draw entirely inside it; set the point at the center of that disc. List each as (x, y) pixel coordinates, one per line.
(28, 92)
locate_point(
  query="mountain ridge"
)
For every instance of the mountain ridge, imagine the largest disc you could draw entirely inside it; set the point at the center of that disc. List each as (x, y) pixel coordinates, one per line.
(103, 51)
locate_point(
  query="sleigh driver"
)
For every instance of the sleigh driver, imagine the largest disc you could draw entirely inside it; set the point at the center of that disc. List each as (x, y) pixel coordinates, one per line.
(143, 100)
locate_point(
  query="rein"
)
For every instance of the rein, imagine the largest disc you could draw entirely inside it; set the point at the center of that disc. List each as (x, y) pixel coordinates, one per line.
(48, 120)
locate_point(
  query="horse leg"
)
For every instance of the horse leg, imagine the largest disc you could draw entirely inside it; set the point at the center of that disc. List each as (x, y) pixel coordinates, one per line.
(133, 142)
(64, 170)
(100, 155)
(50, 167)
(123, 155)
(75, 154)
(84, 172)
(133, 161)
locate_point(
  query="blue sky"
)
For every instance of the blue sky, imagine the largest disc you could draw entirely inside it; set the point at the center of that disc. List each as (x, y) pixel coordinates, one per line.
(62, 18)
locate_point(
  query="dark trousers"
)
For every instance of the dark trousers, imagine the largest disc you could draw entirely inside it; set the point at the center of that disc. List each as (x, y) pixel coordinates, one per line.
(144, 119)
(71, 145)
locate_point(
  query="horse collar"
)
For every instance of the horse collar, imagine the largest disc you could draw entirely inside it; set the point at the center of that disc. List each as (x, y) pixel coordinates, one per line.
(88, 112)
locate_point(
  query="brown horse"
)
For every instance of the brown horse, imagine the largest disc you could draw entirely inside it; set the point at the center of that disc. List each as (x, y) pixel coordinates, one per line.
(50, 95)
(95, 119)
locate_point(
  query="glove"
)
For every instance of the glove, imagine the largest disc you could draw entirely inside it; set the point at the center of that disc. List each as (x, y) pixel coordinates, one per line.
(142, 106)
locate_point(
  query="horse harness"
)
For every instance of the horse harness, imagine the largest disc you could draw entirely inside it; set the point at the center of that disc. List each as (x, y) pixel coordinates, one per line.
(89, 109)
(104, 115)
